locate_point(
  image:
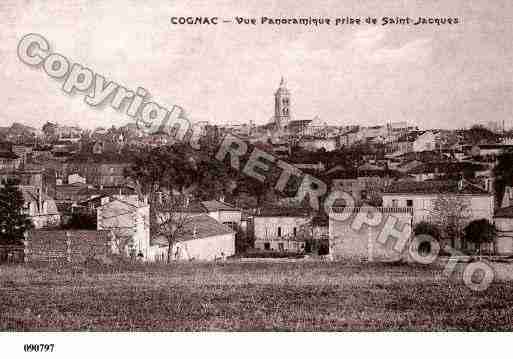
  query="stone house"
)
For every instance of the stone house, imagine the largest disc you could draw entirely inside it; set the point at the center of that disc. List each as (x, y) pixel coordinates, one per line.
(279, 229)
(223, 212)
(129, 221)
(40, 208)
(420, 197)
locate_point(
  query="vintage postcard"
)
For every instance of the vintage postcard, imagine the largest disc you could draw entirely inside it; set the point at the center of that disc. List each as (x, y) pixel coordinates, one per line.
(255, 166)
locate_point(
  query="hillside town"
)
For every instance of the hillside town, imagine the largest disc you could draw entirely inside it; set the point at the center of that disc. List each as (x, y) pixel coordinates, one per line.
(119, 191)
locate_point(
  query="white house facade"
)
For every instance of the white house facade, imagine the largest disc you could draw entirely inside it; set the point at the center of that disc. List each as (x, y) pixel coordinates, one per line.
(203, 239)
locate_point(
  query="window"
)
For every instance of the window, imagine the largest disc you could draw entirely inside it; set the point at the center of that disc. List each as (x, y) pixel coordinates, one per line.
(232, 225)
(267, 246)
(295, 231)
(394, 203)
(281, 247)
(409, 203)
(279, 231)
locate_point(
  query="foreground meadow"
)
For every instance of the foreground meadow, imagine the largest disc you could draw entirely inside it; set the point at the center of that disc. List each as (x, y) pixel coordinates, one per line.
(248, 296)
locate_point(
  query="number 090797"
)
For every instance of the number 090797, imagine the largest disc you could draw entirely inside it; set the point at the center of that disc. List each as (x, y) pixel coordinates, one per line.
(38, 348)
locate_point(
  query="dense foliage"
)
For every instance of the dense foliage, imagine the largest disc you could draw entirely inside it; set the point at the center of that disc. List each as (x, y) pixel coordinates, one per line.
(13, 219)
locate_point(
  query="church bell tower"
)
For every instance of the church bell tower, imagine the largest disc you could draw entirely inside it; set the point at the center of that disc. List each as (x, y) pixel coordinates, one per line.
(282, 106)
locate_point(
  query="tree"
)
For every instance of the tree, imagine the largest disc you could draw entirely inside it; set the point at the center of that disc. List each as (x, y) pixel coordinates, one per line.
(427, 228)
(14, 222)
(478, 134)
(503, 173)
(169, 219)
(480, 231)
(243, 240)
(81, 221)
(181, 170)
(450, 214)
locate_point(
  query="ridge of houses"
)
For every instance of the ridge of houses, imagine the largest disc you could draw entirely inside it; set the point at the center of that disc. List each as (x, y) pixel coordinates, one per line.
(396, 168)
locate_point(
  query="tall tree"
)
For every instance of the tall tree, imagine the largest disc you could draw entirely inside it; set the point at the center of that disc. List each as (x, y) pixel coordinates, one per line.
(169, 220)
(451, 213)
(480, 231)
(478, 134)
(181, 170)
(13, 219)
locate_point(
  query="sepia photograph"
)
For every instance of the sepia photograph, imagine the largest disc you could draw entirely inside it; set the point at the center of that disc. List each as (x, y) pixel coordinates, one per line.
(254, 166)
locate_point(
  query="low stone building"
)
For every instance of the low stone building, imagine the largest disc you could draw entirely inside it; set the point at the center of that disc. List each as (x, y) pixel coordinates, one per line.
(221, 211)
(421, 196)
(279, 229)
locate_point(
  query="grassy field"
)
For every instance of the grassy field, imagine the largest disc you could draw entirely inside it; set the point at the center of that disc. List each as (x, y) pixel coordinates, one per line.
(248, 296)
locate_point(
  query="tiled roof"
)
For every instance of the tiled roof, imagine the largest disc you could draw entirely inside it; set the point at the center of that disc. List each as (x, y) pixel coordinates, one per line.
(106, 191)
(370, 167)
(506, 212)
(282, 212)
(199, 227)
(209, 206)
(430, 187)
(447, 167)
(215, 205)
(69, 189)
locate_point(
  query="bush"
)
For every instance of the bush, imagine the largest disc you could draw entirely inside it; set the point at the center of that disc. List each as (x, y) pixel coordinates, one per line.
(427, 228)
(480, 231)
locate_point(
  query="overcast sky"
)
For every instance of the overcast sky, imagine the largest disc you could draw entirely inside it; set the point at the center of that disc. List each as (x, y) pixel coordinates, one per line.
(433, 76)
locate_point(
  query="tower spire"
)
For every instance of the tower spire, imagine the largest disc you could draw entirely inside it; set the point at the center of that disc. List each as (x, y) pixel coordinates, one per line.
(282, 105)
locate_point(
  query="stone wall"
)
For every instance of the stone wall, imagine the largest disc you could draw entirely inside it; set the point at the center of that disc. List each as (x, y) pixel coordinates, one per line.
(74, 246)
(368, 233)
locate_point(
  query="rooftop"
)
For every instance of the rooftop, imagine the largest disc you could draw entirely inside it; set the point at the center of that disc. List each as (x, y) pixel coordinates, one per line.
(433, 187)
(198, 227)
(210, 206)
(506, 212)
(282, 212)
